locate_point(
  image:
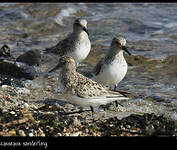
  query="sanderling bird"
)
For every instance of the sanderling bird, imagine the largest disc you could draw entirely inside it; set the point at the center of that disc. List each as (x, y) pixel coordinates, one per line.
(80, 90)
(113, 67)
(77, 44)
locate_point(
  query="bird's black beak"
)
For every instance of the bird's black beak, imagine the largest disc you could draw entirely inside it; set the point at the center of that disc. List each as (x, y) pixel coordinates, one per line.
(126, 50)
(56, 67)
(86, 30)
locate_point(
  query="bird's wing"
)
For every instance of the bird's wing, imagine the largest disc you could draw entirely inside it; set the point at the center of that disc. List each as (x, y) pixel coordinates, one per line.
(87, 88)
(98, 68)
(62, 47)
(115, 94)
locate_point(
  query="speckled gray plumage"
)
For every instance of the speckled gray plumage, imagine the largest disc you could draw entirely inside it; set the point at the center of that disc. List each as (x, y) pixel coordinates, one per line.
(76, 44)
(81, 90)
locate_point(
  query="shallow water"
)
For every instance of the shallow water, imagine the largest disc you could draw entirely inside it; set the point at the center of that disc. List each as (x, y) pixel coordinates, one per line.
(150, 30)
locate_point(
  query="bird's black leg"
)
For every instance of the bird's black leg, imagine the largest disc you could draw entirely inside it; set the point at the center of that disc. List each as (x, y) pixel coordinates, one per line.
(15, 62)
(115, 86)
(91, 107)
(117, 103)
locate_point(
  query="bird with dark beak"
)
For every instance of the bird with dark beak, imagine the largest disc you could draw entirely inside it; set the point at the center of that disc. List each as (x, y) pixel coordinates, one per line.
(113, 67)
(80, 23)
(76, 44)
(126, 50)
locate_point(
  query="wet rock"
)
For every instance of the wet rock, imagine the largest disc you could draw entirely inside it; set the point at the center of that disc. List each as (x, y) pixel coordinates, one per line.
(11, 81)
(33, 71)
(31, 57)
(8, 68)
(5, 51)
(170, 60)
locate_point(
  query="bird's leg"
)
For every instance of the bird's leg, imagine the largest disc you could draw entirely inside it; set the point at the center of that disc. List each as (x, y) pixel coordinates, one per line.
(117, 103)
(91, 107)
(123, 93)
(15, 62)
(115, 86)
(77, 64)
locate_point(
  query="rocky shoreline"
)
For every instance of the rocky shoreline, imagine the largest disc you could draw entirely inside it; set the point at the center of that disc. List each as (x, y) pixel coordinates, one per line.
(20, 117)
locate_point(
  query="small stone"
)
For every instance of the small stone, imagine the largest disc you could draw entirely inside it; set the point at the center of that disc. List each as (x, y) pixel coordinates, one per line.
(76, 122)
(31, 134)
(41, 133)
(12, 112)
(33, 106)
(26, 106)
(128, 126)
(5, 86)
(86, 130)
(4, 110)
(75, 134)
(21, 133)
(59, 134)
(48, 88)
(68, 106)
(12, 132)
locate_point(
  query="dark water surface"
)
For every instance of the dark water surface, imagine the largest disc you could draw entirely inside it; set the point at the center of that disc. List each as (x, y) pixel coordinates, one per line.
(150, 30)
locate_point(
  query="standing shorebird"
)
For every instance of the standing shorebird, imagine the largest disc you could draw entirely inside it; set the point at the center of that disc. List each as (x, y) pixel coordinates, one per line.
(113, 67)
(80, 90)
(77, 44)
